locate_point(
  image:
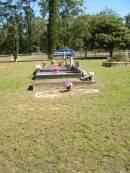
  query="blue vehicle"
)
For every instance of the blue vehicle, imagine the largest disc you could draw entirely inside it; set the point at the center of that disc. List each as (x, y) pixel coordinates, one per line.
(64, 52)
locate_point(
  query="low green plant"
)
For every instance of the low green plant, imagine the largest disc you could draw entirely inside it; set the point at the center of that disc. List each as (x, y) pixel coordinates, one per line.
(119, 57)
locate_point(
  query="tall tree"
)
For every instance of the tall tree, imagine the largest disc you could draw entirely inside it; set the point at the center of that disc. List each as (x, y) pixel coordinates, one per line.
(3, 39)
(9, 14)
(30, 29)
(29, 16)
(14, 39)
(127, 20)
(81, 32)
(29, 19)
(109, 33)
(52, 26)
(67, 10)
(39, 35)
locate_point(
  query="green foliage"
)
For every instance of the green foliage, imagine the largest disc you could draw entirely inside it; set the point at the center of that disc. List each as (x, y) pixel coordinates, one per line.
(109, 12)
(14, 40)
(9, 14)
(127, 20)
(119, 57)
(67, 27)
(65, 8)
(16, 46)
(29, 17)
(108, 32)
(3, 40)
(39, 35)
(81, 34)
(44, 8)
(22, 13)
(66, 11)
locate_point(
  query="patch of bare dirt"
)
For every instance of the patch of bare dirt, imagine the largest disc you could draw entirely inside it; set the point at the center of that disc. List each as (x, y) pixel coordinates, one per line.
(54, 94)
(2, 67)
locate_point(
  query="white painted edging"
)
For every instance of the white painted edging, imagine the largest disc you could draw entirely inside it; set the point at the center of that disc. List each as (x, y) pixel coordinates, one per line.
(54, 94)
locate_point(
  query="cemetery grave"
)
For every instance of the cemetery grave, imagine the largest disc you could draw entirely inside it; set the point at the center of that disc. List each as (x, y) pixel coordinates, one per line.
(53, 74)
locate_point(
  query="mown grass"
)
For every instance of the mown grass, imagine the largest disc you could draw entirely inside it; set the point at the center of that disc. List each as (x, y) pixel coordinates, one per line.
(73, 134)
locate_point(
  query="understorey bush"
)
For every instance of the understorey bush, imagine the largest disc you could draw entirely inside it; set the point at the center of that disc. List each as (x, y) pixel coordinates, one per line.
(119, 57)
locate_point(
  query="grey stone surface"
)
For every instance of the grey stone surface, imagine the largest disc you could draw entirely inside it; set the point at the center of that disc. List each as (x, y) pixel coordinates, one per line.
(56, 75)
(116, 64)
(58, 84)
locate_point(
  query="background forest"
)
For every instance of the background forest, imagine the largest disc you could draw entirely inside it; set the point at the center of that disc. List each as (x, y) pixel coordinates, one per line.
(22, 30)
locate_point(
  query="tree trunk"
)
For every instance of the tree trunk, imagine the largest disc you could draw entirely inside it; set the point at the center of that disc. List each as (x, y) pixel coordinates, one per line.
(52, 26)
(86, 53)
(14, 39)
(16, 46)
(30, 40)
(67, 35)
(29, 18)
(111, 53)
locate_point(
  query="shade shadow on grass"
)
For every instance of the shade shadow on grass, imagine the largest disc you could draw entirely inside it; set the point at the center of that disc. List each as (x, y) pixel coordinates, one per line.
(30, 88)
(64, 91)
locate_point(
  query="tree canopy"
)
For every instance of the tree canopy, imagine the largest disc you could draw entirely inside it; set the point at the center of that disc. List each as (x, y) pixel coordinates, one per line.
(62, 24)
(108, 32)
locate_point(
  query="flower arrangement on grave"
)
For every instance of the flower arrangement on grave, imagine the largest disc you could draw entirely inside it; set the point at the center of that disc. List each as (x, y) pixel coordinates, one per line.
(56, 68)
(68, 85)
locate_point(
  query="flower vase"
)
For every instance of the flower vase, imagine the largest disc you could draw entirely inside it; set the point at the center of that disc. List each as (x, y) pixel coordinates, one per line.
(68, 88)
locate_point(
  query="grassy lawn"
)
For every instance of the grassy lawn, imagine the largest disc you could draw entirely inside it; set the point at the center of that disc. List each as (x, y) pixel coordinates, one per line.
(74, 134)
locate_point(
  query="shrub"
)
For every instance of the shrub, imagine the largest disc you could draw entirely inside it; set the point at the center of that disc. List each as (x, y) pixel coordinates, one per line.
(119, 57)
